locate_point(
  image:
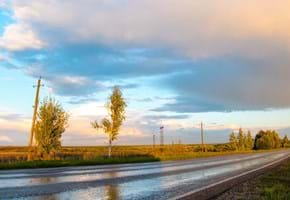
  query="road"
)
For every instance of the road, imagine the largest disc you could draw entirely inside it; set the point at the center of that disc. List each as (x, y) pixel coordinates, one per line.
(165, 180)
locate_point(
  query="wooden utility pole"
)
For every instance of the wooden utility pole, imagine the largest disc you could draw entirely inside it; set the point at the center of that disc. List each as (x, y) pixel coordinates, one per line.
(201, 133)
(34, 113)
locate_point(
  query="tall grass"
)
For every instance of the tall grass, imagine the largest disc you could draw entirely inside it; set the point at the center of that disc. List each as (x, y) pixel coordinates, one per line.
(16, 157)
(276, 185)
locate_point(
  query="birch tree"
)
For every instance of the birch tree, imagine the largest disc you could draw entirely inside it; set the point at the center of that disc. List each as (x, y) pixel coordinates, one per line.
(116, 109)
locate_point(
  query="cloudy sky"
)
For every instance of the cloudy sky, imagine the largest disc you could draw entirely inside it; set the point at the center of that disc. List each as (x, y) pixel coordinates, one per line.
(178, 62)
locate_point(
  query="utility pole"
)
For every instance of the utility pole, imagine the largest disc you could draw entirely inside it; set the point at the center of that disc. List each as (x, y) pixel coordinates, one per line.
(34, 113)
(201, 133)
(153, 140)
(161, 135)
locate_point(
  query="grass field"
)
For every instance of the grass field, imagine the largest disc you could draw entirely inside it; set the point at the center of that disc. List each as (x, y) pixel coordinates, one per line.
(16, 157)
(14, 154)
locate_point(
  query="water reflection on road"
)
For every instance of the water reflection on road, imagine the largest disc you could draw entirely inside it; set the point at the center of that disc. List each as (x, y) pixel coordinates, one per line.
(155, 181)
(101, 174)
(112, 191)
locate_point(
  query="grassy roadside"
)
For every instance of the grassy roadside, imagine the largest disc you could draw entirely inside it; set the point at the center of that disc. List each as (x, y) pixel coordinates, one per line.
(166, 157)
(159, 156)
(66, 163)
(274, 185)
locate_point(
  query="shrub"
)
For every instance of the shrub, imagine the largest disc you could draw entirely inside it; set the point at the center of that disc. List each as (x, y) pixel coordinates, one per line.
(267, 140)
(51, 123)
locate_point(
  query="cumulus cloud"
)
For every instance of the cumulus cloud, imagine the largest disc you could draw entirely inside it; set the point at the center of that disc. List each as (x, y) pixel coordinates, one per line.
(199, 28)
(75, 85)
(214, 55)
(19, 37)
(14, 122)
(65, 84)
(230, 84)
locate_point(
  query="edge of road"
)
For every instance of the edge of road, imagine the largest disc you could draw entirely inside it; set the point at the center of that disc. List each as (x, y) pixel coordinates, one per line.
(213, 190)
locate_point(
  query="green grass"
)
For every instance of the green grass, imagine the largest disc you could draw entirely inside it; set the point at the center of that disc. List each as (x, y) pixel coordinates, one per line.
(65, 163)
(276, 185)
(15, 157)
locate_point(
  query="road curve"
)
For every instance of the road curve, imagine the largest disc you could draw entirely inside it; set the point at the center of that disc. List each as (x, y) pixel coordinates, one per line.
(164, 180)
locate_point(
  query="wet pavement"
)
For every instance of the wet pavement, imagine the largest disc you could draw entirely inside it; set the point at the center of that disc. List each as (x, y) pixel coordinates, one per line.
(128, 181)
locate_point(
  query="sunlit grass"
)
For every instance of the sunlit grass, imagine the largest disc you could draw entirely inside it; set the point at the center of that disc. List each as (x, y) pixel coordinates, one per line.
(15, 157)
(276, 185)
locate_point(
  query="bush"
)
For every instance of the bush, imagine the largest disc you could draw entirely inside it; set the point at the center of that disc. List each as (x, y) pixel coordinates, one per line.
(224, 147)
(264, 143)
(267, 140)
(51, 123)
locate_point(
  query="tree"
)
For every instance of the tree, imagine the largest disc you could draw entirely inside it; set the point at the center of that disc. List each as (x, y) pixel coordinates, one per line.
(116, 108)
(249, 141)
(233, 141)
(264, 142)
(285, 141)
(276, 139)
(241, 139)
(52, 122)
(267, 140)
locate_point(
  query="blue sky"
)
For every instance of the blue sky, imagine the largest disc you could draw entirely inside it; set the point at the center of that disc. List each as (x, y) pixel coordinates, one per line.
(178, 63)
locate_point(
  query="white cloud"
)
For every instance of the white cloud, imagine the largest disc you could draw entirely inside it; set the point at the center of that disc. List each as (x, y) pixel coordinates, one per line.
(195, 28)
(4, 138)
(18, 37)
(20, 125)
(89, 109)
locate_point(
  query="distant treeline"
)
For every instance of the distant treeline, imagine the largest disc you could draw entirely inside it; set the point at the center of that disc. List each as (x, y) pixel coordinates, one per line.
(268, 139)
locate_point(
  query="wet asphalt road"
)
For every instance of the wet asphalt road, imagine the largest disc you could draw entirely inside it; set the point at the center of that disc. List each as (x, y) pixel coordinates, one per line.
(128, 181)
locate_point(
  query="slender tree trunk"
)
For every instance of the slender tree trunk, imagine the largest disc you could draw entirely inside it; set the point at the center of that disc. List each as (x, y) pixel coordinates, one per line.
(110, 148)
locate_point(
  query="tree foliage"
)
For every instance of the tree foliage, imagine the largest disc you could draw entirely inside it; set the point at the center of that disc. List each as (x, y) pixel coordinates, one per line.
(241, 141)
(249, 140)
(285, 141)
(233, 141)
(116, 108)
(267, 140)
(52, 122)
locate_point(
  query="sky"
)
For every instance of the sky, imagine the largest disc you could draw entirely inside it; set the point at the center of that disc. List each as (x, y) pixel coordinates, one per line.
(178, 62)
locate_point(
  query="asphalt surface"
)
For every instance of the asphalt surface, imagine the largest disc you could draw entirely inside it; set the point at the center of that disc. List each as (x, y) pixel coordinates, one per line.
(165, 180)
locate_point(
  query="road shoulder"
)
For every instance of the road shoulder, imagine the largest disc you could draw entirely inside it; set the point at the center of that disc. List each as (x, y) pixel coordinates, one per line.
(213, 190)
(274, 184)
